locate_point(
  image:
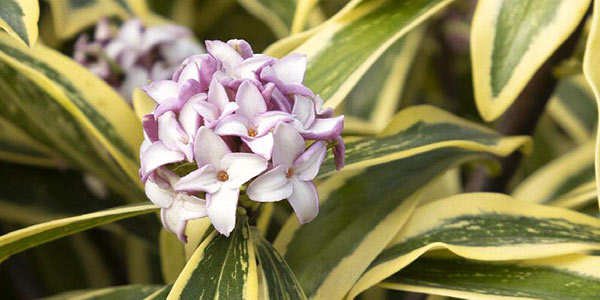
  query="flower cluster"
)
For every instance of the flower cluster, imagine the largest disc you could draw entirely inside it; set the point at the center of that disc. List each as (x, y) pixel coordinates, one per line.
(136, 54)
(234, 124)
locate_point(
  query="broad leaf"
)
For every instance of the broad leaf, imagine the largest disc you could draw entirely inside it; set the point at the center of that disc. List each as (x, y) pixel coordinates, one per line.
(221, 268)
(591, 70)
(341, 50)
(16, 146)
(374, 100)
(126, 292)
(418, 129)
(359, 216)
(510, 40)
(19, 18)
(31, 236)
(573, 107)
(93, 127)
(279, 281)
(559, 177)
(484, 226)
(573, 277)
(172, 255)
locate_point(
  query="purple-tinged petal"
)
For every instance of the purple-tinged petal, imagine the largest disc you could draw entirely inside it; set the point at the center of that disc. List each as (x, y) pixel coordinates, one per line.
(150, 127)
(189, 119)
(280, 102)
(241, 167)
(236, 125)
(323, 129)
(251, 66)
(173, 136)
(339, 153)
(157, 155)
(184, 208)
(268, 120)
(225, 54)
(158, 195)
(166, 175)
(209, 148)
(304, 200)
(205, 63)
(242, 47)
(306, 166)
(221, 209)
(161, 91)
(217, 94)
(262, 146)
(287, 146)
(187, 89)
(270, 186)
(304, 110)
(267, 91)
(322, 112)
(291, 68)
(201, 180)
(102, 31)
(249, 100)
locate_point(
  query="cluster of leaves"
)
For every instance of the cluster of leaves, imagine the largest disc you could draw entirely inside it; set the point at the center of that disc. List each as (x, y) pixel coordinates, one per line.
(396, 218)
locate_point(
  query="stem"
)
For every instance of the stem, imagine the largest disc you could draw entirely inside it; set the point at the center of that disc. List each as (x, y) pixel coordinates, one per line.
(522, 117)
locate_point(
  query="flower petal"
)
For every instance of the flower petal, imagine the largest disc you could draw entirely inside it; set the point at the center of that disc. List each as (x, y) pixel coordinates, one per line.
(221, 209)
(162, 90)
(201, 180)
(287, 144)
(173, 136)
(157, 155)
(224, 53)
(189, 119)
(306, 166)
(322, 129)
(209, 148)
(236, 125)
(270, 186)
(291, 68)
(184, 208)
(262, 146)
(304, 110)
(249, 100)
(304, 200)
(217, 94)
(339, 153)
(158, 195)
(268, 120)
(150, 127)
(242, 47)
(242, 167)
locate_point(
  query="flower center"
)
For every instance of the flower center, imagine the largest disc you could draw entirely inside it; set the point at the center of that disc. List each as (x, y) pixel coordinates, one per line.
(252, 132)
(289, 173)
(222, 176)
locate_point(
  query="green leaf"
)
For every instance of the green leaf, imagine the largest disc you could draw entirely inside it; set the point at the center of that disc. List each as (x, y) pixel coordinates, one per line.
(573, 107)
(221, 268)
(92, 126)
(172, 255)
(341, 50)
(591, 70)
(374, 100)
(19, 18)
(31, 236)
(126, 292)
(559, 177)
(16, 146)
(279, 281)
(510, 40)
(484, 226)
(359, 216)
(573, 277)
(418, 129)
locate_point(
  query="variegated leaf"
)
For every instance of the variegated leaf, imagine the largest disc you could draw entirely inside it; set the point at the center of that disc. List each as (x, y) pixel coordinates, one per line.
(221, 268)
(31, 236)
(510, 40)
(573, 277)
(19, 18)
(110, 293)
(484, 226)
